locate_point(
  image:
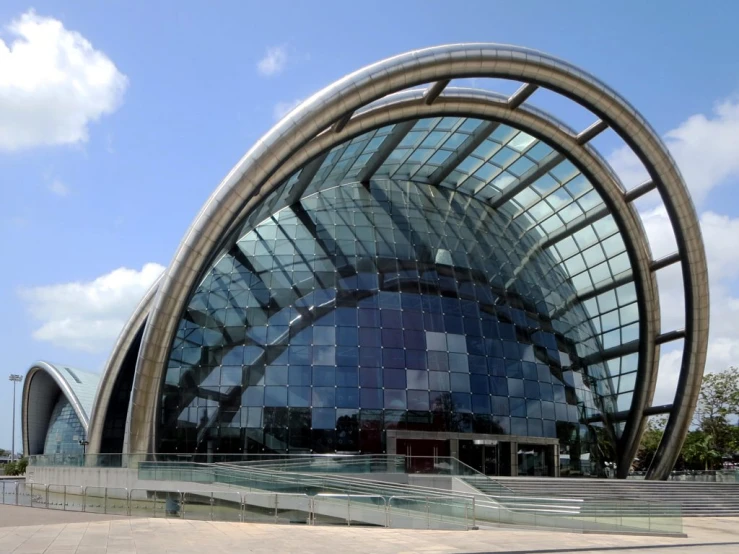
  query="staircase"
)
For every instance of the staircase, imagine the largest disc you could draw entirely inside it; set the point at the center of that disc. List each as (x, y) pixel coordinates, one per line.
(696, 499)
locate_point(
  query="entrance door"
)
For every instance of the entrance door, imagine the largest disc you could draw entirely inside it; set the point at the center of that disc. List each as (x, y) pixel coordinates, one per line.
(536, 460)
(491, 459)
(423, 456)
(485, 458)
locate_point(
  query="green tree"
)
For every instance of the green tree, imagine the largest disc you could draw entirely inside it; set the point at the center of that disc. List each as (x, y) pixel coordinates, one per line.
(698, 451)
(16, 468)
(718, 405)
(649, 442)
(21, 465)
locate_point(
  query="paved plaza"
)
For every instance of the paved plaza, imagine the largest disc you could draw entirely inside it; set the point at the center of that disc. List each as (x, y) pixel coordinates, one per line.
(29, 530)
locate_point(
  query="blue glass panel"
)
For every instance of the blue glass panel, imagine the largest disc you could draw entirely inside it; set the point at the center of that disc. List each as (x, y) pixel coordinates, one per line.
(395, 399)
(371, 399)
(324, 396)
(395, 286)
(299, 375)
(347, 397)
(394, 379)
(324, 418)
(275, 396)
(299, 396)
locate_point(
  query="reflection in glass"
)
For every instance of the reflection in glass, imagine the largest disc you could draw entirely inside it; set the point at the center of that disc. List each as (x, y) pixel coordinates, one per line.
(402, 305)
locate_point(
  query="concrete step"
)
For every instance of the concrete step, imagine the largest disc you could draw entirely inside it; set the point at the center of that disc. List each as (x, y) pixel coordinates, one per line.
(695, 499)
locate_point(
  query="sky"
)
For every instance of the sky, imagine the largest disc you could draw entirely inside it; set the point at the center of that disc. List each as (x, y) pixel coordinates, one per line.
(119, 119)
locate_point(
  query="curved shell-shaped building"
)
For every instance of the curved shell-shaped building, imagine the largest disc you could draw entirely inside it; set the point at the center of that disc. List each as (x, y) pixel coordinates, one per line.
(56, 404)
(403, 265)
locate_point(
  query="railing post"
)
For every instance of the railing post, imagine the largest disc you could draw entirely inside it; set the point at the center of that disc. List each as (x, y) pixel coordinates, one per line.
(349, 510)
(105, 500)
(474, 515)
(276, 502)
(16, 493)
(84, 498)
(64, 499)
(387, 514)
(428, 514)
(128, 502)
(212, 500)
(46, 496)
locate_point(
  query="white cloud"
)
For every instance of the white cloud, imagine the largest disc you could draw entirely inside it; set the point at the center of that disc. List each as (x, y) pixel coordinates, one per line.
(53, 84)
(704, 147)
(59, 188)
(723, 273)
(88, 315)
(281, 109)
(628, 167)
(273, 62)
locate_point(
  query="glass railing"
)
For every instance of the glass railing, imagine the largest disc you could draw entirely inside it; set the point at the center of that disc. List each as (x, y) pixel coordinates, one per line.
(261, 507)
(363, 475)
(506, 509)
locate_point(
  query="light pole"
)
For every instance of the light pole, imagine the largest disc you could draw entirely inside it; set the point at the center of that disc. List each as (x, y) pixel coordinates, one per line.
(16, 379)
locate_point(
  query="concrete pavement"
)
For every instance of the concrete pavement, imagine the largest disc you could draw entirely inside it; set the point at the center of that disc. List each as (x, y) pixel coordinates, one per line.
(92, 534)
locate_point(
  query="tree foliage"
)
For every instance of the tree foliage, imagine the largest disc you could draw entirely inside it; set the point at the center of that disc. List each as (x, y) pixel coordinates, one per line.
(649, 442)
(719, 397)
(715, 436)
(715, 416)
(16, 468)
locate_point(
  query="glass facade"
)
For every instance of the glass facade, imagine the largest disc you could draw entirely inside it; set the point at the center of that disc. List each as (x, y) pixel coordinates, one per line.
(411, 304)
(65, 430)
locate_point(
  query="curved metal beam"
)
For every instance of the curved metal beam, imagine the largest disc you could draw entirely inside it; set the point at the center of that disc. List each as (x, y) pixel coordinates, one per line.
(244, 186)
(113, 367)
(61, 382)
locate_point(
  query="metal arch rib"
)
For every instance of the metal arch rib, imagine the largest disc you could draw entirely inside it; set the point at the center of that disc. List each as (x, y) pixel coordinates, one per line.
(386, 148)
(244, 186)
(593, 292)
(63, 385)
(481, 105)
(113, 367)
(521, 95)
(305, 178)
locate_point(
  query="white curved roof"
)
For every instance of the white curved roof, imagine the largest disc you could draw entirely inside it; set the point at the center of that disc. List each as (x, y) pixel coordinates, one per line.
(44, 381)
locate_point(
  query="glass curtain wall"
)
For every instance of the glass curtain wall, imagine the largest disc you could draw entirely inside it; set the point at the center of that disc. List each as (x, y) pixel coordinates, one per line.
(65, 430)
(396, 305)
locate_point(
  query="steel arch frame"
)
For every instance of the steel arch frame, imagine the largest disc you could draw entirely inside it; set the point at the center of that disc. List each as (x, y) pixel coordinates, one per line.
(335, 106)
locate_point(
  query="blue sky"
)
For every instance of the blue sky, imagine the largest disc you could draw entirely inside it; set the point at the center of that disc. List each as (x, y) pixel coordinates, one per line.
(112, 138)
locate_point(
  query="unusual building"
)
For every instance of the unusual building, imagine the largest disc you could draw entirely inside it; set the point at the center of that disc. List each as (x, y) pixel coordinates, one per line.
(57, 402)
(405, 266)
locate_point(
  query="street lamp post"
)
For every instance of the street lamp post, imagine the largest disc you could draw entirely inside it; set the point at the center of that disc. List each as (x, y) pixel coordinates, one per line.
(16, 379)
